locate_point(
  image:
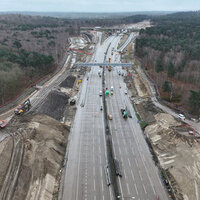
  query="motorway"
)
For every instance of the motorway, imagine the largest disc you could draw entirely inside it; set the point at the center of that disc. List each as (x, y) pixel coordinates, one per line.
(140, 179)
(84, 175)
(131, 37)
(86, 154)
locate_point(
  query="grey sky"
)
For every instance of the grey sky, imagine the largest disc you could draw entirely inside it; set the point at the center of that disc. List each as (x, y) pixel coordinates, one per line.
(98, 5)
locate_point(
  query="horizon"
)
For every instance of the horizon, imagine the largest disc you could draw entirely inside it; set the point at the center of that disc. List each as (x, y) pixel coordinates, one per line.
(99, 6)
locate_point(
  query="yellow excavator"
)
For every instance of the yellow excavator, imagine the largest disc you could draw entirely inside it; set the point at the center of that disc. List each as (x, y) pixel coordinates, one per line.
(23, 107)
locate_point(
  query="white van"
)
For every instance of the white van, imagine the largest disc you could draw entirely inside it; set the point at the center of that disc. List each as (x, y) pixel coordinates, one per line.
(111, 88)
(181, 116)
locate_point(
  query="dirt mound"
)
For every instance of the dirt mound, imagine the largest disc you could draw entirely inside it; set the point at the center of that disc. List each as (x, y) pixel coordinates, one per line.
(178, 155)
(54, 105)
(44, 148)
(68, 82)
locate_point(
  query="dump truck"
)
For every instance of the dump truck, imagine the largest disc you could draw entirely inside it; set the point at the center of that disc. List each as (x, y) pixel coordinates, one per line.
(23, 107)
(124, 113)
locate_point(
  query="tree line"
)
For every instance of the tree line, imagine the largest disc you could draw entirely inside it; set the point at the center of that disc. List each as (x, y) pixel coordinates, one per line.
(170, 50)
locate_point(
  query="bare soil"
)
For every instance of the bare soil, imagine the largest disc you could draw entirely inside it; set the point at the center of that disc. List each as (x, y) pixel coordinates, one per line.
(54, 105)
(44, 141)
(68, 82)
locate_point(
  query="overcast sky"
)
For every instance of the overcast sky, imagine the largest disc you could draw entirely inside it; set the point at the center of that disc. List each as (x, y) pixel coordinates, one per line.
(99, 5)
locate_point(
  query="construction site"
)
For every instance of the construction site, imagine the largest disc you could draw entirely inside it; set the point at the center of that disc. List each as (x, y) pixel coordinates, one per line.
(33, 146)
(174, 144)
(33, 143)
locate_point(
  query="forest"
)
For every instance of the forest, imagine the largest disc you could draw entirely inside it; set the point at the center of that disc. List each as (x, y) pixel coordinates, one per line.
(32, 46)
(170, 52)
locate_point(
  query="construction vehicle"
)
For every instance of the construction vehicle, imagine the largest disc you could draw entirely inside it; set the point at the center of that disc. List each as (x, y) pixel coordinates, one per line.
(109, 116)
(124, 113)
(23, 107)
(109, 68)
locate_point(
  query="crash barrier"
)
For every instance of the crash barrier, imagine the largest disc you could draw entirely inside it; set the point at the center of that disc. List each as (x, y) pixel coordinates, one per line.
(110, 153)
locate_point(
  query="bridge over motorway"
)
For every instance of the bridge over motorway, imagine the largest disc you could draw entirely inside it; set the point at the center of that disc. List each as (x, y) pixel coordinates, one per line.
(104, 64)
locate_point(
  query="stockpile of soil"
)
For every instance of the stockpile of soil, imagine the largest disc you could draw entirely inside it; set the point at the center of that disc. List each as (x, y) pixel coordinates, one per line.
(178, 155)
(44, 149)
(54, 105)
(68, 82)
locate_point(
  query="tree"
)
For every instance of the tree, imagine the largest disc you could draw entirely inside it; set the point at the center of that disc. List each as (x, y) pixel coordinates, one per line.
(194, 102)
(159, 66)
(171, 70)
(17, 44)
(166, 87)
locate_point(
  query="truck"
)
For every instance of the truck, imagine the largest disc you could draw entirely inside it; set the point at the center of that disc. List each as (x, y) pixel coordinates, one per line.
(23, 107)
(124, 113)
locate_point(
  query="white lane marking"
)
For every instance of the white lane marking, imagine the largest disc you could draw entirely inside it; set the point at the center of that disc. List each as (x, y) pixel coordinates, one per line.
(125, 174)
(128, 188)
(140, 175)
(132, 175)
(77, 188)
(129, 162)
(136, 162)
(101, 180)
(144, 188)
(151, 184)
(136, 189)
(94, 185)
(120, 151)
(94, 171)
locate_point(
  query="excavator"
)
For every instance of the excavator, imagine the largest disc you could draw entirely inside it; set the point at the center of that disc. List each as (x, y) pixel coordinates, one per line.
(23, 107)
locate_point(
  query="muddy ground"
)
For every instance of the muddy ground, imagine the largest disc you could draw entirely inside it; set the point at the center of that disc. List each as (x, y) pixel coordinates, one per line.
(177, 152)
(54, 105)
(68, 82)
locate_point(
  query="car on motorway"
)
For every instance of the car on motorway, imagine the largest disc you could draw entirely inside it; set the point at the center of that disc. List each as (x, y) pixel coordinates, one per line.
(3, 123)
(100, 93)
(125, 92)
(119, 73)
(111, 88)
(109, 116)
(181, 116)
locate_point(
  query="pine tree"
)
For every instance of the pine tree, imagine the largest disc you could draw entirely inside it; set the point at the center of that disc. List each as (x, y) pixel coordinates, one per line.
(159, 66)
(171, 70)
(166, 86)
(194, 102)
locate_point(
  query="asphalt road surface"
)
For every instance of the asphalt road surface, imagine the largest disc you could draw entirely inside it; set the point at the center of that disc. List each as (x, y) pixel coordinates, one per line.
(84, 175)
(140, 179)
(86, 154)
